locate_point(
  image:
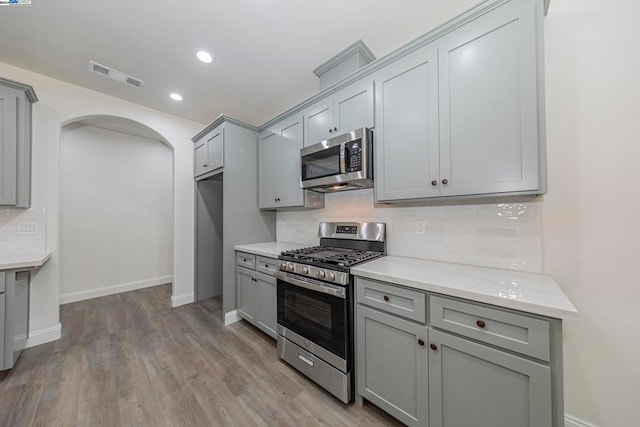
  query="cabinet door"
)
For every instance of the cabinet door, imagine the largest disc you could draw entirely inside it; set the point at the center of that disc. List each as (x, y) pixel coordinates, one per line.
(353, 107)
(287, 184)
(200, 158)
(268, 169)
(3, 308)
(246, 297)
(494, 388)
(8, 145)
(215, 148)
(20, 313)
(266, 297)
(488, 103)
(406, 137)
(318, 122)
(392, 365)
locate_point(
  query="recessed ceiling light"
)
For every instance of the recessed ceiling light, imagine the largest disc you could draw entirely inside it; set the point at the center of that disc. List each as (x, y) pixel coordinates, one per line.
(204, 56)
(176, 96)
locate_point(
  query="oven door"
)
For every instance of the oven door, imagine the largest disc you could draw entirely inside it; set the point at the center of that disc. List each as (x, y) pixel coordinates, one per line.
(317, 312)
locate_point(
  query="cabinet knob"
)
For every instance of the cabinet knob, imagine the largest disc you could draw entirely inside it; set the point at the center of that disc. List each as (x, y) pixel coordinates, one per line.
(481, 324)
(421, 342)
(335, 129)
(433, 347)
(205, 165)
(386, 298)
(445, 181)
(434, 182)
(330, 130)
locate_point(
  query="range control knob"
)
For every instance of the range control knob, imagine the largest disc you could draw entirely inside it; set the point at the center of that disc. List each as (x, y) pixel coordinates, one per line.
(290, 267)
(305, 270)
(283, 266)
(321, 274)
(331, 275)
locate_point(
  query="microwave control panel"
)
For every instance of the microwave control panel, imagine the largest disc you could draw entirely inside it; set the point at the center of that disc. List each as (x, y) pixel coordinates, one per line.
(353, 156)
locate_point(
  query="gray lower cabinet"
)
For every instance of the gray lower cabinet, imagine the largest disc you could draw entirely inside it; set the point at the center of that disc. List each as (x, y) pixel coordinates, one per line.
(471, 384)
(15, 143)
(279, 168)
(459, 363)
(256, 290)
(246, 293)
(392, 365)
(14, 315)
(463, 115)
(266, 302)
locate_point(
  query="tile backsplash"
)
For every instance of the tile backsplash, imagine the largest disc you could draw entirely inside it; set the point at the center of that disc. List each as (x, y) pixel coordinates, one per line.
(32, 241)
(499, 234)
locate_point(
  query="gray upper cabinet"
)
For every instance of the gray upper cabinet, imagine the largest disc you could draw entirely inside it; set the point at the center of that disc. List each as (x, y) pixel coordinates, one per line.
(406, 156)
(463, 115)
(279, 167)
(15, 143)
(209, 153)
(348, 109)
(474, 385)
(489, 104)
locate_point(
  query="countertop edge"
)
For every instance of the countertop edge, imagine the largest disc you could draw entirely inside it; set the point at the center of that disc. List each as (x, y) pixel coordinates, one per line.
(527, 307)
(26, 262)
(251, 248)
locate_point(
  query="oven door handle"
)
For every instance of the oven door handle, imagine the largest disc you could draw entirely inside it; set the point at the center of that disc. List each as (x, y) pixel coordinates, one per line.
(312, 285)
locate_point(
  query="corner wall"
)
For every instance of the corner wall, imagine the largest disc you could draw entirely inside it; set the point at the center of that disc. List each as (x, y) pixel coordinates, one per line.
(591, 215)
(60, 103)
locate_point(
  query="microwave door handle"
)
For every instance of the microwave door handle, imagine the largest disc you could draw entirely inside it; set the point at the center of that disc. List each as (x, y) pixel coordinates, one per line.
(312, 285)
(343, 160)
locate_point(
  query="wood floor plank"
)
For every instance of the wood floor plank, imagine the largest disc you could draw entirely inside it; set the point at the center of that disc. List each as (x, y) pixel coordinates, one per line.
(132, 360)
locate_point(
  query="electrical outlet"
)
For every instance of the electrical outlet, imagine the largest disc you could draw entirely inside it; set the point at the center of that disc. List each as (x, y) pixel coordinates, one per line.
(27, 228)
(420, 226)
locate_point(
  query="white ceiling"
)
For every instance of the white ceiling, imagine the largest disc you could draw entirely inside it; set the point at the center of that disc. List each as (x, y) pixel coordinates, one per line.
(264, 50)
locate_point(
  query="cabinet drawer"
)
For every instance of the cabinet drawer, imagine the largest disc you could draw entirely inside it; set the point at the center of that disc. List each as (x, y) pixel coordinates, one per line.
(392, 299)
(522, 334)
(2, 281)
(266, 265)
(246, 260)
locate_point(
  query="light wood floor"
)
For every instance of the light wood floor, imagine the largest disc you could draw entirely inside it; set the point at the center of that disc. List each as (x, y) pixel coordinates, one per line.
(130, 359)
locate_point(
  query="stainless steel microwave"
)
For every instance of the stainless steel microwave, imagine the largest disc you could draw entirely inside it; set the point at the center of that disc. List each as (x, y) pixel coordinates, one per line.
(337, 164)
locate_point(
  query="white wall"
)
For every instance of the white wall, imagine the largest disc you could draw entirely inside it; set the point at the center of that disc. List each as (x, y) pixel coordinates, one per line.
(591, 215)
(60, 103)
(502, 234)
(116, 212)
(14, 244)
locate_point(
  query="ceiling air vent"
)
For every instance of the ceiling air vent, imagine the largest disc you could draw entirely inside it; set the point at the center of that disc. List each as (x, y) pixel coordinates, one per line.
(116, 75)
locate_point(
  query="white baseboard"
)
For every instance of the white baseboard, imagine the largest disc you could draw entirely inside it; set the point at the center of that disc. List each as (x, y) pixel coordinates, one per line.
(177, 301)
(44, 336)
(571, 421)
(231, 317)
(113, 289)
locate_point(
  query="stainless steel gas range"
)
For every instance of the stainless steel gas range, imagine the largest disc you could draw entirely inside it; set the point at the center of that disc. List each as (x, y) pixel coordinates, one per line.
(315, 302)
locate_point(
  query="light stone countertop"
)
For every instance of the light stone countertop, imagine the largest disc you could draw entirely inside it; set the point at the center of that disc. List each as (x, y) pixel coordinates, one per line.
(528, 292)
(269, 249)
(24, 261)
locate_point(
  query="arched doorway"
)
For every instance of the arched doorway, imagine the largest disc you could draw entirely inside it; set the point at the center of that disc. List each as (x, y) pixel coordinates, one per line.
(116, 207)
